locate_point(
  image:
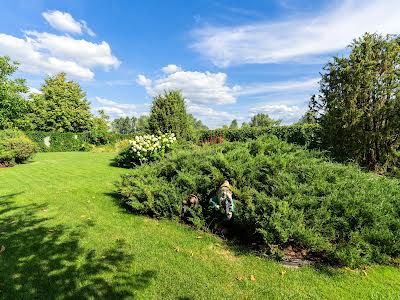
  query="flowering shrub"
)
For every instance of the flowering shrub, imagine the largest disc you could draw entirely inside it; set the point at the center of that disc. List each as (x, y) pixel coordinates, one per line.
(144, 148)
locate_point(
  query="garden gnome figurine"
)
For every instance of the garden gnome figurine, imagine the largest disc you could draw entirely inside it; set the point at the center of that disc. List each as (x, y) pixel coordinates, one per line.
(223, 201)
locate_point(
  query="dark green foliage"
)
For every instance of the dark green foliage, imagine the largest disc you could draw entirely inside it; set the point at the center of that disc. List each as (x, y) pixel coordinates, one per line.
(61, 107)
(15, 147)
(360, 103)
(12, 104)
(306, 135)
(263, 120)
(285, 196)
(168, 114)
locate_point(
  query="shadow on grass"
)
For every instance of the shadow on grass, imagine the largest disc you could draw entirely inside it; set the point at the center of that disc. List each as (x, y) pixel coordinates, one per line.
(40, 261)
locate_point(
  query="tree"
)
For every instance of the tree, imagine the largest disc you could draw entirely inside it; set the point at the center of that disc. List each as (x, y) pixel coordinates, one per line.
(234, 124)
(359, 102)
(62, 106)
(168, 114)
(309, 117)
(196, 124)
(13, 106)
(142, 123)
(124, 125)
(263, 120)
(98, 134)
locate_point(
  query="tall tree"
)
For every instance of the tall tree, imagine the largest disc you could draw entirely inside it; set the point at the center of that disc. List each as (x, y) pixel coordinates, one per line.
(196, 123)
(142, 123)
(234, 124)
(62, 106)
(359, 102)
(13, 106)
(309, 117)
(168, 114)
(263, 120)
(124, 125)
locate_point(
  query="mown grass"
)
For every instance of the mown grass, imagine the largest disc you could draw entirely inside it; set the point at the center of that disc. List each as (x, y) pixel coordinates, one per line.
(65, 237)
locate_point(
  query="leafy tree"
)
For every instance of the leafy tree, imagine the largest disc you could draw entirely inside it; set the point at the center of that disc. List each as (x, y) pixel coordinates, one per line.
(124, 125)
(98, 134)
(359, 102)
(142, 124)
(309, 117)
(168, 114)
(234, 124)
(196, 123)
(62, 107)
(263, 120)
(13, 106)
(245, 125)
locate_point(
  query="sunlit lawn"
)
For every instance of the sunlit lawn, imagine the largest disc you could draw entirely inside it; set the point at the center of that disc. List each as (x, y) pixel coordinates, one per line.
(65, 236)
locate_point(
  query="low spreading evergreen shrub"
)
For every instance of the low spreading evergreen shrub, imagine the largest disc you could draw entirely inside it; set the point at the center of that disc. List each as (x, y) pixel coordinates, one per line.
(15, 147)
(285, 196)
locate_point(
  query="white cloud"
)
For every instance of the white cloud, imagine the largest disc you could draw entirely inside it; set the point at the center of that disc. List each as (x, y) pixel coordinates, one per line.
(196, 87)
(85, 53)
(281, 86)
(210, 113)
(63, 21)
(287, 113)
(49, 53)
(32, 90)
(299, 39)
(115, 109)
(169, 69)
(34, 61)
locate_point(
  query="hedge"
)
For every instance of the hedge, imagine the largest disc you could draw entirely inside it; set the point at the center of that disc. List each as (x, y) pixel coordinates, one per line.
(60, 141)
(70, 141)
(306, 135)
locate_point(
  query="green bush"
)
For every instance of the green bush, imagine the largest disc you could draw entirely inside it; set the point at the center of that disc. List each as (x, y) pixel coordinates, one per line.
(15, 147)
(286, 196)
(144, 148)
(306, 134)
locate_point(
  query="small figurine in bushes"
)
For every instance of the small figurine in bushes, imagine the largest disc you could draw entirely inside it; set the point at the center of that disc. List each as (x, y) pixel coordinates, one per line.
(224, 201)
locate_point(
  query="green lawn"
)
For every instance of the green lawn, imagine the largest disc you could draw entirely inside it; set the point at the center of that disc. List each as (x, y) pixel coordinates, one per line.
(66, 237)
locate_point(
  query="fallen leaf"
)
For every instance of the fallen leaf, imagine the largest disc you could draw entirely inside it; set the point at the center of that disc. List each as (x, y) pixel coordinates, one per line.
(283, 272)
(177, 249)
(199, 237)
(365, 273)
(191, 253)
(240, 278)
(252, 277)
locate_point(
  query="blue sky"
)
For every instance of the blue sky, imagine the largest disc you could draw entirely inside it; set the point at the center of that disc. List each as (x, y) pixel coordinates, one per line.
(231, 59)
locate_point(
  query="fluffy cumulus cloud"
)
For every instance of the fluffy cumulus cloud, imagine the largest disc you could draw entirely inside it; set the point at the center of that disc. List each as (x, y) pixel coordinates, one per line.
(287, 113)
(306, 85)
(169, 69)
(85, 53)
(299, 39)
(197, 87)
(115, 109)
(63, 21)
(210, 113)
(41, 52)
